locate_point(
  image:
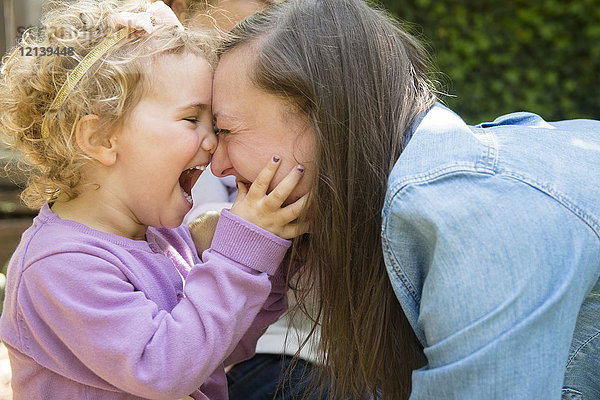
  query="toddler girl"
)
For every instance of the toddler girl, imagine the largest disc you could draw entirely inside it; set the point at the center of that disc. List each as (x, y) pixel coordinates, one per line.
(113, 121)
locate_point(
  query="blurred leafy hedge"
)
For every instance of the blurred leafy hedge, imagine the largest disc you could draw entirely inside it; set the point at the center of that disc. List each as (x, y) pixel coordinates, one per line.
(518, 55)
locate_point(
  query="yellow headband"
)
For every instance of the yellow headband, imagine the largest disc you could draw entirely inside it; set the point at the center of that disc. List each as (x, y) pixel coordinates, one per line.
(158, 14)
(80, 70)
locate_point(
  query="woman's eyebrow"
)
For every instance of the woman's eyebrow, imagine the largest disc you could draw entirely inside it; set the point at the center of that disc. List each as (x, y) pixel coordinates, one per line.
(228, 117)
(223, 115)
(230, 122)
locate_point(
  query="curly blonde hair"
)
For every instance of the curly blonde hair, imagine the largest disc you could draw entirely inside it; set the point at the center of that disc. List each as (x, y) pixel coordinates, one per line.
(207, 13)
(110, 88)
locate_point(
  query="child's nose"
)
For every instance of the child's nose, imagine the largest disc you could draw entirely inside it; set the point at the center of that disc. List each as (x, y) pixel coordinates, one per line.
(219, 163)
(209, 143)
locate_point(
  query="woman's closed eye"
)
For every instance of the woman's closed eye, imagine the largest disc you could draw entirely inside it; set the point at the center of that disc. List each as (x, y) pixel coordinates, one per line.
(193, 120)
(220, 132)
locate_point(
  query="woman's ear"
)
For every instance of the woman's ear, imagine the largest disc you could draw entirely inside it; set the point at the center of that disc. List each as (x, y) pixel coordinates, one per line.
(94, 144)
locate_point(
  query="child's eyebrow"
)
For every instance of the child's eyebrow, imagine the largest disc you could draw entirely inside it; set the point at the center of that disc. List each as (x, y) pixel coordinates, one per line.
(200, 106)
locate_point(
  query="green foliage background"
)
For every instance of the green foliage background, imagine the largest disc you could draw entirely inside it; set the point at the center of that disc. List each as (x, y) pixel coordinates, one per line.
(498, 57)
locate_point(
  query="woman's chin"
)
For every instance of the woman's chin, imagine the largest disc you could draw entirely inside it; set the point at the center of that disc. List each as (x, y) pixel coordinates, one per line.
(294, 196)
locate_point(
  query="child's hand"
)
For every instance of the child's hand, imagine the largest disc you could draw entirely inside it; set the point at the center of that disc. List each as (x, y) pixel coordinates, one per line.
(264, 210)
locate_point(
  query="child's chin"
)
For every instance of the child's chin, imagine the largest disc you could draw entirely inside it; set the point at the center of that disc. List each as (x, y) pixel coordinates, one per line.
(171, 223)
(177, 223)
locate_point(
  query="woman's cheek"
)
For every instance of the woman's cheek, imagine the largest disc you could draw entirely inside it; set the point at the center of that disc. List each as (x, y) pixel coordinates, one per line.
(246, 163)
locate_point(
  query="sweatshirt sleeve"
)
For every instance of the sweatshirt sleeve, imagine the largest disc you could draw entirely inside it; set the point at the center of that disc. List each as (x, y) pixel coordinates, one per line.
(274, 305)
(127, 340)
(272, 309)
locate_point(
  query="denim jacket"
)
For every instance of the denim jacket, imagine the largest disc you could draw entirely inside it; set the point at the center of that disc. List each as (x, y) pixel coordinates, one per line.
(490, 234)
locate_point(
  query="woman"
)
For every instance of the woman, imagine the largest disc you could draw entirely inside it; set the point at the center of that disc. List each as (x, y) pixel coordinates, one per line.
(450, 261)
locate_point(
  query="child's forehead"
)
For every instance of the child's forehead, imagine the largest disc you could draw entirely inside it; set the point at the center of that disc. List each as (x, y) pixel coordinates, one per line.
(164, 69)
(179, 76)
(170, 63)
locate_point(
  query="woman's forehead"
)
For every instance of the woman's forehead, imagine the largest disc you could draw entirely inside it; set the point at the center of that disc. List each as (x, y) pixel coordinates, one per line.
(237, 61)
(232, 87)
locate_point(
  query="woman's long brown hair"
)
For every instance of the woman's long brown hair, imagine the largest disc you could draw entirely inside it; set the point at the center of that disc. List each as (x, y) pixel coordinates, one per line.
(362, 81)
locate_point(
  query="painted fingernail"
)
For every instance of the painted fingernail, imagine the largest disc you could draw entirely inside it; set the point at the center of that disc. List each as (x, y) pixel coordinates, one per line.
(276, 159)
(300, 169)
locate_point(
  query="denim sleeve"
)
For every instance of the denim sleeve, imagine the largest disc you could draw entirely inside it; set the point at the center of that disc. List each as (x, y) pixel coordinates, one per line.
(492, 273)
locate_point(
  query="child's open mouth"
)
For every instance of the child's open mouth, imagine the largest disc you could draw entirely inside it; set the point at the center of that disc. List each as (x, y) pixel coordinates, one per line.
(188, 178)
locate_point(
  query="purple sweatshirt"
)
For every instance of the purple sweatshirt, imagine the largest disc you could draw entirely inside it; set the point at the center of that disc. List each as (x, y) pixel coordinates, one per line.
(90, 315)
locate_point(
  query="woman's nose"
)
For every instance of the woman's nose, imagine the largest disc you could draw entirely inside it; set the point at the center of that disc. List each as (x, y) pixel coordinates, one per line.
(220, 164)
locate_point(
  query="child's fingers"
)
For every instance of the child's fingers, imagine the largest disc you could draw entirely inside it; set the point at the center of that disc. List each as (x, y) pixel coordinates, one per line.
(292, 211)
(261, 184)
(282, 191)
(290, 231)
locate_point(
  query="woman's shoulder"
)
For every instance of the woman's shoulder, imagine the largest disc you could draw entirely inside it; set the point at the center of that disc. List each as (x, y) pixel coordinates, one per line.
(442, 143)
(520, 143)
(548, 157)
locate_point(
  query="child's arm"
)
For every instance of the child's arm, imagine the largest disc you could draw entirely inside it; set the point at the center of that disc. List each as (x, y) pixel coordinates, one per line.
(276, 303)
(272, 309)
(202, 231)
